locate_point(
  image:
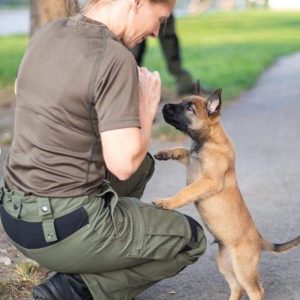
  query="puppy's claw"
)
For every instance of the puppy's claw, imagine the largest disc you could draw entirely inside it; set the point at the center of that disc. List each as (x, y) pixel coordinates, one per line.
(161, 203)
(158, 203)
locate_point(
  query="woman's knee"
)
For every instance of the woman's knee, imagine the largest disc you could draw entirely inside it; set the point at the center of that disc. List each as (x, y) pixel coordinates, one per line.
(197, 243)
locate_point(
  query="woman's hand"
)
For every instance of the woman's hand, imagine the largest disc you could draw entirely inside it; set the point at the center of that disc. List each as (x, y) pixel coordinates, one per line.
(149, 94)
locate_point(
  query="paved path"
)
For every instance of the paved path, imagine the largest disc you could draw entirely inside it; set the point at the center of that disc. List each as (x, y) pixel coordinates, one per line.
(265, 127)
(14, 21)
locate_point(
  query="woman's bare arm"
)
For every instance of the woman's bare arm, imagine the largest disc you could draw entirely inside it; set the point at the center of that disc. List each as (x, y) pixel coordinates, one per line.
(124, 149)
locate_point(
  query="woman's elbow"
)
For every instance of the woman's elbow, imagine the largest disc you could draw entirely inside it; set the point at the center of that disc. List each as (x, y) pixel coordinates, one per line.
(122, 171)
(123, 175)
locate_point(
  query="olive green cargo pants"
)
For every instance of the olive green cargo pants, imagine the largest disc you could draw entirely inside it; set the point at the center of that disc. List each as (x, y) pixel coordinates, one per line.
(123, 245)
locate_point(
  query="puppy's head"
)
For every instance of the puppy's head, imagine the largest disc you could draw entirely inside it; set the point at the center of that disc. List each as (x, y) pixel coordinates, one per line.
(194, 114)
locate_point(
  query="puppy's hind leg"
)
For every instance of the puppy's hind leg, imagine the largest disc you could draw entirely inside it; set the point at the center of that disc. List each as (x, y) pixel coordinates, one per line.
(245, 266)
(225, 268)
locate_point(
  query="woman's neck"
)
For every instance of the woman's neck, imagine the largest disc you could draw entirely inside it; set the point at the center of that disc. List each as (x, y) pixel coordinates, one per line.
(110, 15)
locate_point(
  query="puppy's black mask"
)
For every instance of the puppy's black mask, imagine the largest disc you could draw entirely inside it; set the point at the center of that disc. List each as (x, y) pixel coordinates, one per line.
(174, 114)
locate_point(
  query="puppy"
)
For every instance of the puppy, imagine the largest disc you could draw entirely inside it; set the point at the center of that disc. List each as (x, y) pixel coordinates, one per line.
(212, 185)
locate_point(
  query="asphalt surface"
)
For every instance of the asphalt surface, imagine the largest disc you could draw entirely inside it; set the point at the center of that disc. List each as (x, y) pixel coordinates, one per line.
(264, 126)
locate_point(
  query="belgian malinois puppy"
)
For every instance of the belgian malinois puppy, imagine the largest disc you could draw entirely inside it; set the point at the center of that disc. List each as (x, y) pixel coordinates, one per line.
(212, 185)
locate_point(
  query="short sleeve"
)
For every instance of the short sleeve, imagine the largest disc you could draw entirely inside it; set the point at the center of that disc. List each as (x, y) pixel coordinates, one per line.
(116, 100)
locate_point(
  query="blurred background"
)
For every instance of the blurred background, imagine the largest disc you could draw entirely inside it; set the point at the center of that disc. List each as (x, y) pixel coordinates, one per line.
(226, 43)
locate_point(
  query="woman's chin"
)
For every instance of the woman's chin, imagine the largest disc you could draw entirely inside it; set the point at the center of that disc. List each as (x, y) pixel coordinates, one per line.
(133, 44)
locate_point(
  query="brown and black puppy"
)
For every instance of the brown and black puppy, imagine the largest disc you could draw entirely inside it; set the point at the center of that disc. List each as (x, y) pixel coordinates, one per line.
(212, 185)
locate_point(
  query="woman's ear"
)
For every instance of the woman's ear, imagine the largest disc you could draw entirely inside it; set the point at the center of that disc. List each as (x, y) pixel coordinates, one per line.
(137, 3)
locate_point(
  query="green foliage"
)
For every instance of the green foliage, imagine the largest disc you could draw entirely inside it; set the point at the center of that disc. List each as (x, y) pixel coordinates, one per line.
(11, 52)
(230, 50)
(12, 4)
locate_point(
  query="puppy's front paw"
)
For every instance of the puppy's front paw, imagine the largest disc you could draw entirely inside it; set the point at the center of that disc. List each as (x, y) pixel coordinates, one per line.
(163, 155)
(158, 202)
(163, 203)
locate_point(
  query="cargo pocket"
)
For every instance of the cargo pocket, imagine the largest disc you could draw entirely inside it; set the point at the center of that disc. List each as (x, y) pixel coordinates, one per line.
(109, 195)
(157, 233)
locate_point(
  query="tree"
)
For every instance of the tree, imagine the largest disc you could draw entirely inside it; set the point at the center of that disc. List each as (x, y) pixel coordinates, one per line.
(44, 11)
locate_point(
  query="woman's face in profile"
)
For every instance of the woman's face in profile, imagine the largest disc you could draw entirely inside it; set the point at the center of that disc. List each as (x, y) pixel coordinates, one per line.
(145, 21)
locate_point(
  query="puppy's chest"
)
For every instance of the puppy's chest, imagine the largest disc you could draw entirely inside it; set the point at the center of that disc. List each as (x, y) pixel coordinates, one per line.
(194, 167)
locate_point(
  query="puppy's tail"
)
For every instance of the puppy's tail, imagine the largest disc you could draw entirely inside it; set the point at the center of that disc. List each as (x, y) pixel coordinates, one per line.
(266, 246)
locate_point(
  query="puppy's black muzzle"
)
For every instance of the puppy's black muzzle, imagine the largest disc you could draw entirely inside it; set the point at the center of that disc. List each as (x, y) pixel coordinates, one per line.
(168, 110)
(174, 115)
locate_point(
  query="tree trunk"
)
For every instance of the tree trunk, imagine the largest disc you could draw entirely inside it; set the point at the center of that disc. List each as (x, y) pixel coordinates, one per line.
(44, 11)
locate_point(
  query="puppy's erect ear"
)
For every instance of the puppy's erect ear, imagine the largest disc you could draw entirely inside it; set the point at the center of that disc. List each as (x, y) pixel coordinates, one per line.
(198, 90)
(214, 102)
(197, 87)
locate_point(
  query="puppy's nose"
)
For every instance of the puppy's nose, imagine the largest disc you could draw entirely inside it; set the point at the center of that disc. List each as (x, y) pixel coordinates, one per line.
(167, 109)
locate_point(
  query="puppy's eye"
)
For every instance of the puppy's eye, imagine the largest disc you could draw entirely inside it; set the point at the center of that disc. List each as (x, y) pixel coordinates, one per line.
(190, 107)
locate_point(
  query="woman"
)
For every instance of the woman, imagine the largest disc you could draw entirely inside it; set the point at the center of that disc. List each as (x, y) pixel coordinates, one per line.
(78, 162)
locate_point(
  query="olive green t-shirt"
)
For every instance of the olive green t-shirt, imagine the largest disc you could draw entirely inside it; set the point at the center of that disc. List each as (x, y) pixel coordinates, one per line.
(76, 80)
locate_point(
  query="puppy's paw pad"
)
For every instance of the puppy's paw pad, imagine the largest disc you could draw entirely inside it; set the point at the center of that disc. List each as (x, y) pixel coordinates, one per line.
(162, 155)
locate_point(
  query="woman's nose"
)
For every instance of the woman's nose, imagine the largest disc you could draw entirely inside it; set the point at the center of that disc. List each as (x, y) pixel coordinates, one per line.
(155, 32)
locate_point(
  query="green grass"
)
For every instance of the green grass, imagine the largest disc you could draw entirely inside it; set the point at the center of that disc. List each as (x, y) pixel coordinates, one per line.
(231, 50)
(13, 4)
(19, 281)
(11, 52)
(228, 50)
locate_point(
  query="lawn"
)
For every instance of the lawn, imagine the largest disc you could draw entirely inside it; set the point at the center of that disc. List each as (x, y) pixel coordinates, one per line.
(11, 52)
(231, 50)
(228, 50)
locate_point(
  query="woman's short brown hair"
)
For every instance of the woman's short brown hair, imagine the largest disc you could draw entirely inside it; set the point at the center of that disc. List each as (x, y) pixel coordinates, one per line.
(160, 1)
(92, 2)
